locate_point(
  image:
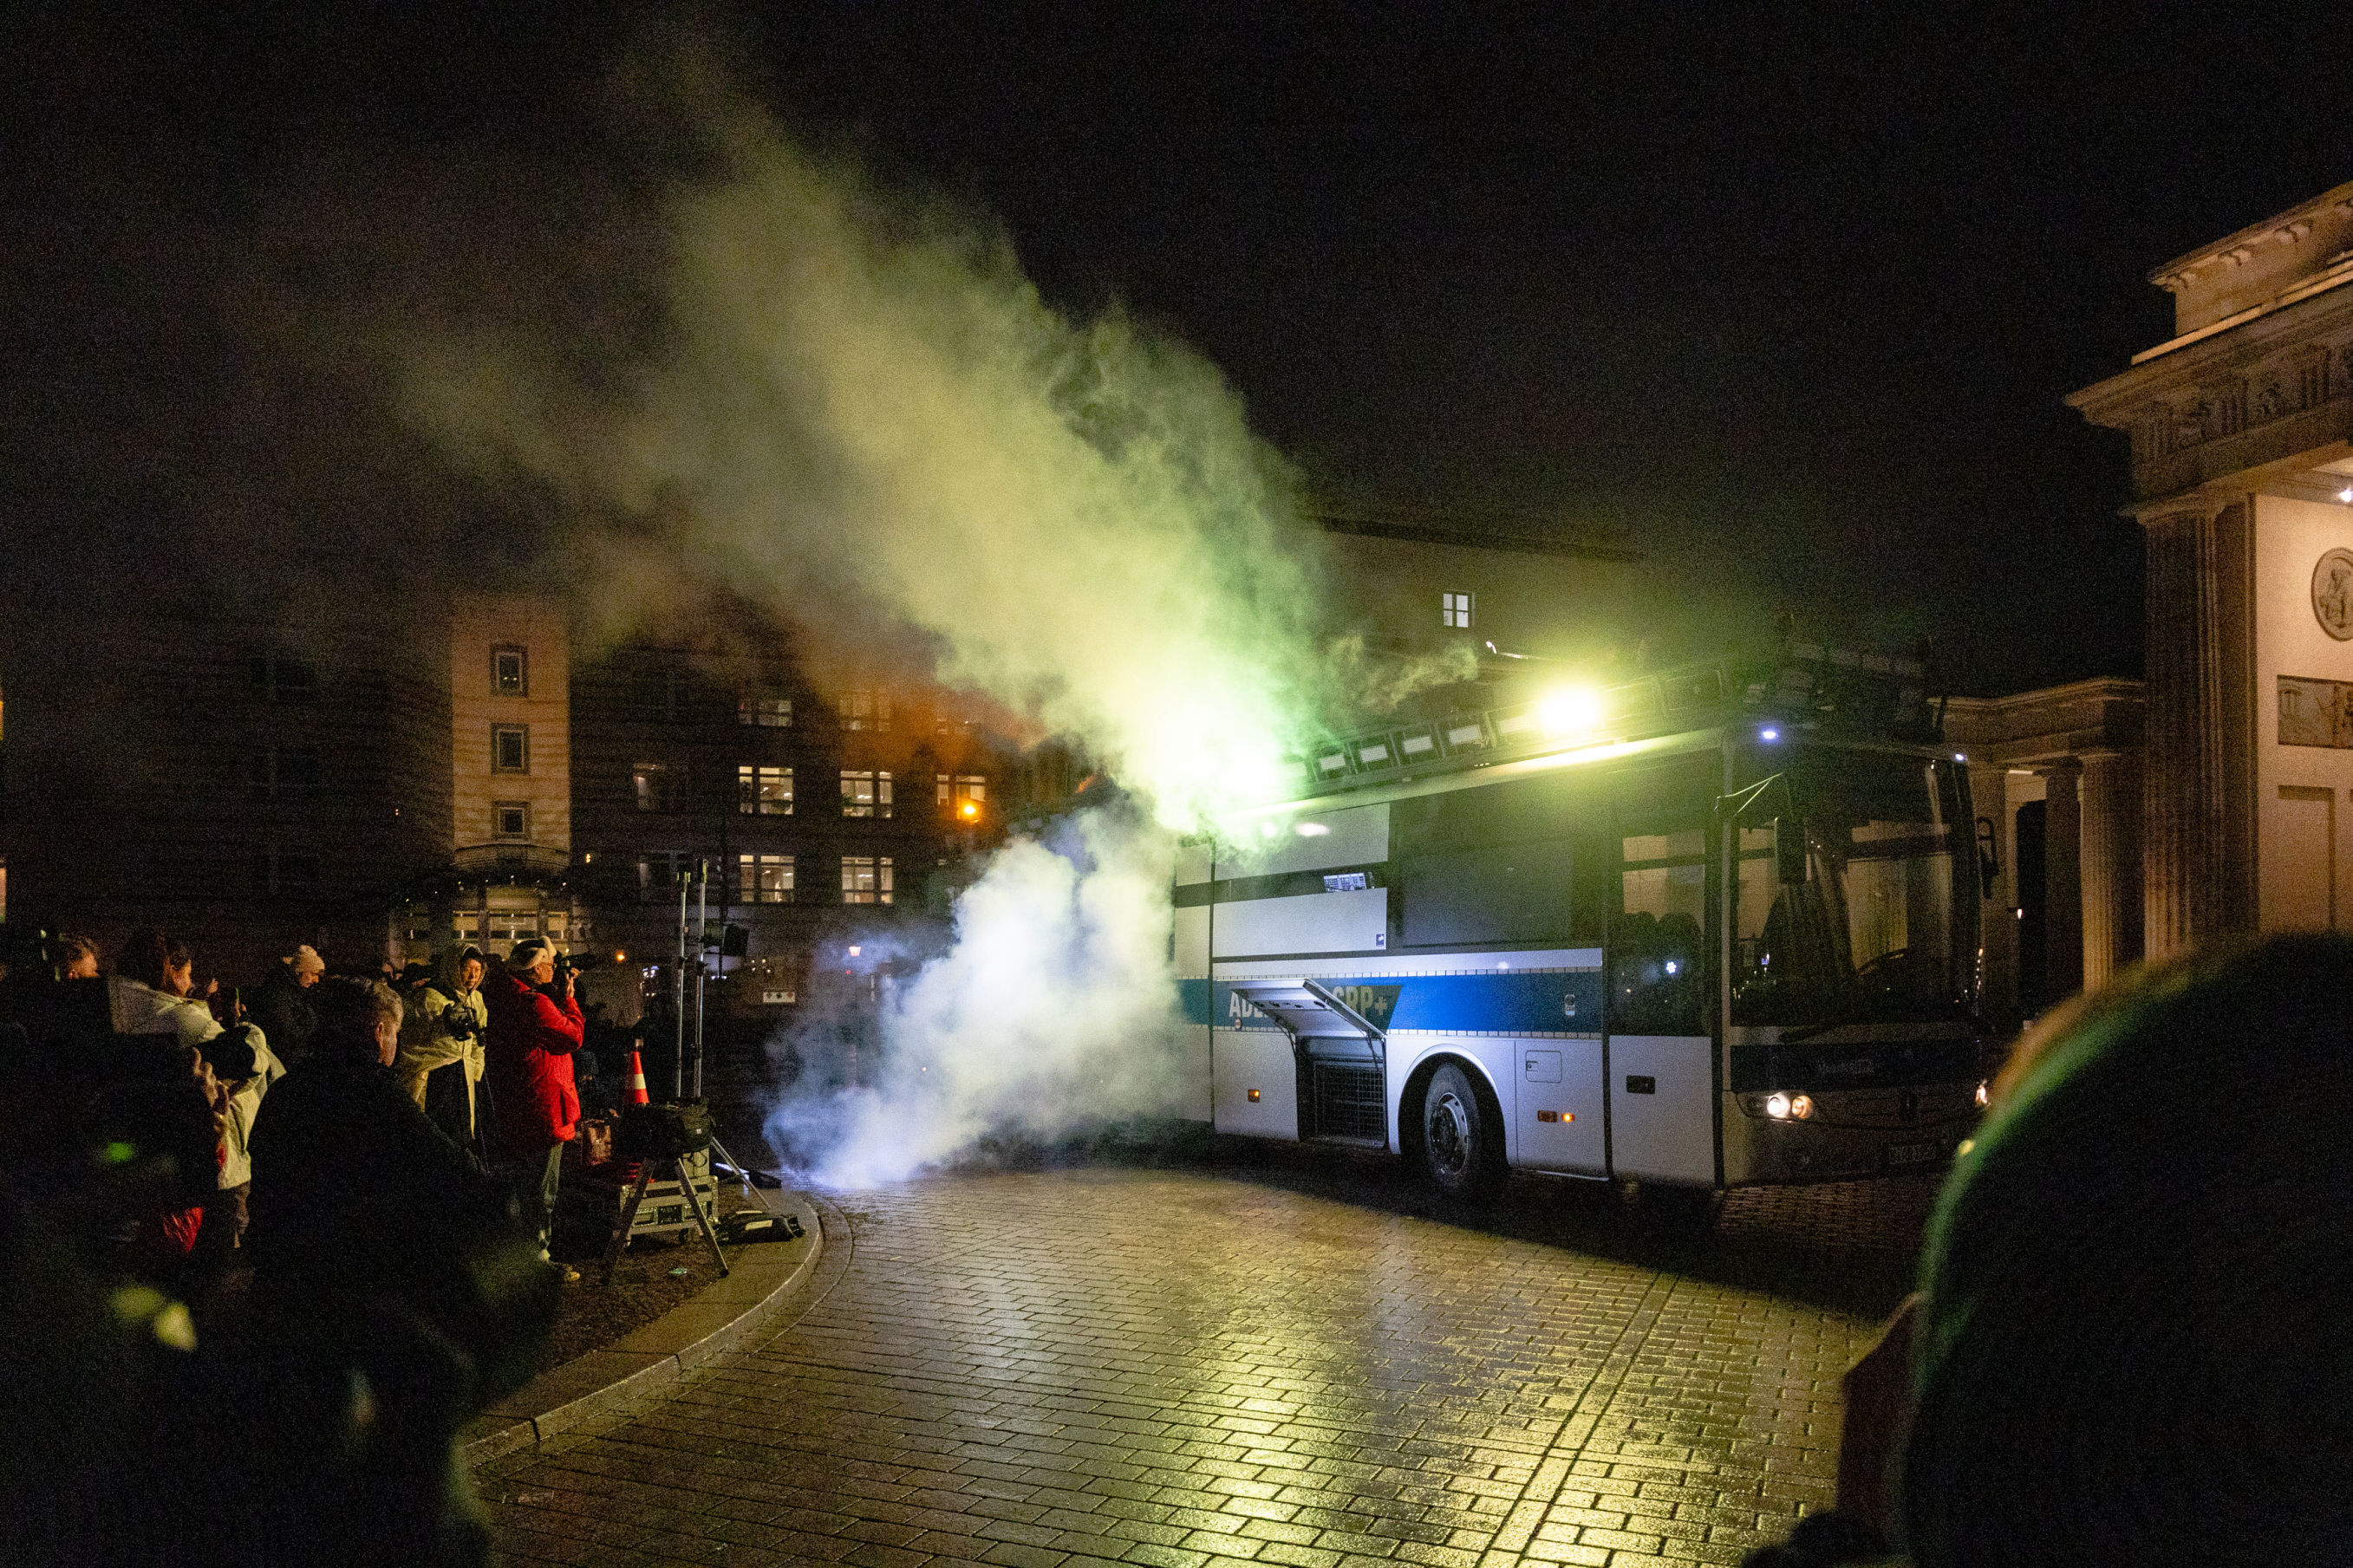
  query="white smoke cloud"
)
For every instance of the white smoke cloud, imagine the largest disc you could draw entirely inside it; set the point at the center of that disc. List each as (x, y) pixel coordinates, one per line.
(853, 401)
(1054, 1008)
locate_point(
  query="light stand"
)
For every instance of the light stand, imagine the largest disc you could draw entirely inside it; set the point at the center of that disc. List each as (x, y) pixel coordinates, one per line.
(719, 1152)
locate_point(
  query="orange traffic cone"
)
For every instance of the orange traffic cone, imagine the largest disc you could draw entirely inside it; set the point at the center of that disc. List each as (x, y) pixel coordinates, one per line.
(638, 1082)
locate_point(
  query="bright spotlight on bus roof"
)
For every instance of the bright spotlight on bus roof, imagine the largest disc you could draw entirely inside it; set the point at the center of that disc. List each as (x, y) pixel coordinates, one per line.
(1576, 711)
(1768, 734)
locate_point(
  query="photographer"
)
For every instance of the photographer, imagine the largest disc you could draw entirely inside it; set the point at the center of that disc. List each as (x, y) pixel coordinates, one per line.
(535, 1026)
(440, 1061)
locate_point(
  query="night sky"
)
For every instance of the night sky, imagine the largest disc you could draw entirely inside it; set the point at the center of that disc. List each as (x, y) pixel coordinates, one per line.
(1789, 294)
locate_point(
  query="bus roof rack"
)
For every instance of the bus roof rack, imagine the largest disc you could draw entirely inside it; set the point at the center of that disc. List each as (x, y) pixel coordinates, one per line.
(1822, 690)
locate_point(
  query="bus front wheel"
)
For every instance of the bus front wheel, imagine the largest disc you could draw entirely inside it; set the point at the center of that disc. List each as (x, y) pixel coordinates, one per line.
(1460, 1143)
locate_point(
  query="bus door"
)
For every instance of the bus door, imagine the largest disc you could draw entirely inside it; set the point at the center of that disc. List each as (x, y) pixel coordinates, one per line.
(1660, 1054)
(1341, 1059)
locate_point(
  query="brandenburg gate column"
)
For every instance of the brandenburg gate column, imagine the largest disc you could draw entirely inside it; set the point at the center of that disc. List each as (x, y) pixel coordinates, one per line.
(2063, 882)
(2198, 804)
(2108, 799)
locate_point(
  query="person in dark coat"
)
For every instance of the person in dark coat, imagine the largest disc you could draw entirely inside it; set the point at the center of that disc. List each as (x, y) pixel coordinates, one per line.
(281, 1005)
(535, 1027)
(378, 1249)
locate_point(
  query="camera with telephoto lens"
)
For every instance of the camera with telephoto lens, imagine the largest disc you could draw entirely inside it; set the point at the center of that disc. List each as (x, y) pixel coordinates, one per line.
(574, 962)
(457, 1021)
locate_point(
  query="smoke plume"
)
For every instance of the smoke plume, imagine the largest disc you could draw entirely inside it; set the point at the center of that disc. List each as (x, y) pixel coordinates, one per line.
(852, 400)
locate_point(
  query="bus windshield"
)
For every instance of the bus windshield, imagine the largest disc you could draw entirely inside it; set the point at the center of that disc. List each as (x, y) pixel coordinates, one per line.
(1873, 934)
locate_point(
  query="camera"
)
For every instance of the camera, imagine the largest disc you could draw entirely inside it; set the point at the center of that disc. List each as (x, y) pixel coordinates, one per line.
(457, 1021)
(574, 962)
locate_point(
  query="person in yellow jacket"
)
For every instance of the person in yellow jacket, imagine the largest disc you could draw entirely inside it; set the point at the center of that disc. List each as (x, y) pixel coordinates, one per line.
(440, 1057)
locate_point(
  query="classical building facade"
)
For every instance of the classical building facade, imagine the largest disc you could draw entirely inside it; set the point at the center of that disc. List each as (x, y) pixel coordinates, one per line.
(2241, 432)
(2055, 781)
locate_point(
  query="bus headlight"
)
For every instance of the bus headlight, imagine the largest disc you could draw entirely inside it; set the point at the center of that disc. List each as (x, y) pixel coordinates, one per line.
(1781, 1105)
(1801, 1106)
(1776, 1106)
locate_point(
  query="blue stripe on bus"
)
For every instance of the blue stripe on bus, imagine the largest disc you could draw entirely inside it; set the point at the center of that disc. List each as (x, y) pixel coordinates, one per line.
(1555, 1003)
(1194, 998)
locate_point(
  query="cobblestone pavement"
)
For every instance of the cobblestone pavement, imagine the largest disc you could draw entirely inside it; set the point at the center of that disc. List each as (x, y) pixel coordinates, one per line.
(1298, 1362)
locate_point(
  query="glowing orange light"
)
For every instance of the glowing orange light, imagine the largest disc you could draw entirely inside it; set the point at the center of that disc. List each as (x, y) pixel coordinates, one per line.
(968, 810)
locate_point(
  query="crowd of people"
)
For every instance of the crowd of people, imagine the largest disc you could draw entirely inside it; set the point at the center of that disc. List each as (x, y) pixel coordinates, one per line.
(261, 1253)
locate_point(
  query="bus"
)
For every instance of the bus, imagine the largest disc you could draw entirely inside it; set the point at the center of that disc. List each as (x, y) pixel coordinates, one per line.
(1713, 929)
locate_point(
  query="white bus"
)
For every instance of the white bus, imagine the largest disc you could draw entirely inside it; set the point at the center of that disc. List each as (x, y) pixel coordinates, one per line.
(1705, 931)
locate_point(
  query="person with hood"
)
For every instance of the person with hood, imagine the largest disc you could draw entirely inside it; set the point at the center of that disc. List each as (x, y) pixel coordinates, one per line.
(282, 1003)
(2129, 1345)
(245, 1067)
(149, 992)
(535, 1026)
(441, 1059)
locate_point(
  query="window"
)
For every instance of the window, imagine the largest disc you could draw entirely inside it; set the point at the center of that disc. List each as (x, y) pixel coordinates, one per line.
(863, 708)
(285, 871)
(282, 772)
(508, 672)
(764, 879)
(865, 879)
(1455, 610)
(281, 677)
(763, 791)
(511, 819)
(963, 795)
(509, 748)
(865, 792)
(659, 873)
(657, 786)
(770, 709)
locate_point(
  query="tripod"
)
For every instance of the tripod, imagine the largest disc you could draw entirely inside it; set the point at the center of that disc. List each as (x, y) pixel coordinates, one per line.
(694, 940)
(679, 1167)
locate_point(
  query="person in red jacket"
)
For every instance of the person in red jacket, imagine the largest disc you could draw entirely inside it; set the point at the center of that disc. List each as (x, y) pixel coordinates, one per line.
(535, 1026)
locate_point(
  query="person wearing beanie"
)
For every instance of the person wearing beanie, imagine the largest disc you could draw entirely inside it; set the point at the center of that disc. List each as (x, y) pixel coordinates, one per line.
(282, 1003)
(2129, 1345)
(535, 1026)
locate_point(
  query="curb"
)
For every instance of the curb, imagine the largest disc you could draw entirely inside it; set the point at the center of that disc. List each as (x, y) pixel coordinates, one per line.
(653, 1358)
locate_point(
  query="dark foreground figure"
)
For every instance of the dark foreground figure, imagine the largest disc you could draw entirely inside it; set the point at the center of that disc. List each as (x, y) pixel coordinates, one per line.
(308, 1420)
(2134, 1341)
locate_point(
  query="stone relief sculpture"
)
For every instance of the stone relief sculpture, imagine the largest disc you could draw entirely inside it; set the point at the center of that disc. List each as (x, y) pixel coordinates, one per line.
(2332, 594)
(2316, 712)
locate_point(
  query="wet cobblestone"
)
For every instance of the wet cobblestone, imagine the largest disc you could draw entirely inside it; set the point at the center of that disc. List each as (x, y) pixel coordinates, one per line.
(1284, 1364)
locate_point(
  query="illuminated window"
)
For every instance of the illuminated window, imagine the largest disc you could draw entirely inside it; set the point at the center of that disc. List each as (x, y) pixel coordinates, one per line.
(865, 879)
(962, 795)
(765, 708)
(862, 708)
(657, 786)
(509, 748)
(865, 792)
(511, 819)
(508, 677)
(763, 791)
(764, 879)
(1455, 610)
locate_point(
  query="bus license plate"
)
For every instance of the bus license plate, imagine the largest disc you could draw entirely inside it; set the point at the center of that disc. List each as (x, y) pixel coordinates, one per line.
(1899, 1154)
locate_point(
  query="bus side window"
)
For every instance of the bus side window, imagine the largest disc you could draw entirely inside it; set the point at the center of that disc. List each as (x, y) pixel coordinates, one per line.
(1509, 863)
(1657, 953)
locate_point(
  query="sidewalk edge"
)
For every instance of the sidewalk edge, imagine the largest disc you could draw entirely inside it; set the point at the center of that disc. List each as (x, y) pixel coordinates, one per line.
(552, 1402)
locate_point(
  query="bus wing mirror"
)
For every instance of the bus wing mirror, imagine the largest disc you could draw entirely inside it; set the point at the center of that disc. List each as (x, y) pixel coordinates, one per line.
(1789, 851)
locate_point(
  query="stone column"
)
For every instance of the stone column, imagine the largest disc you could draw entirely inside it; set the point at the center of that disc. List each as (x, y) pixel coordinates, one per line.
(2062, 880)
(2110, 933)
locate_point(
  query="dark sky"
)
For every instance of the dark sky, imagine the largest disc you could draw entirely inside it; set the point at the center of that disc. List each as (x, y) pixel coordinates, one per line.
(1790, 293)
